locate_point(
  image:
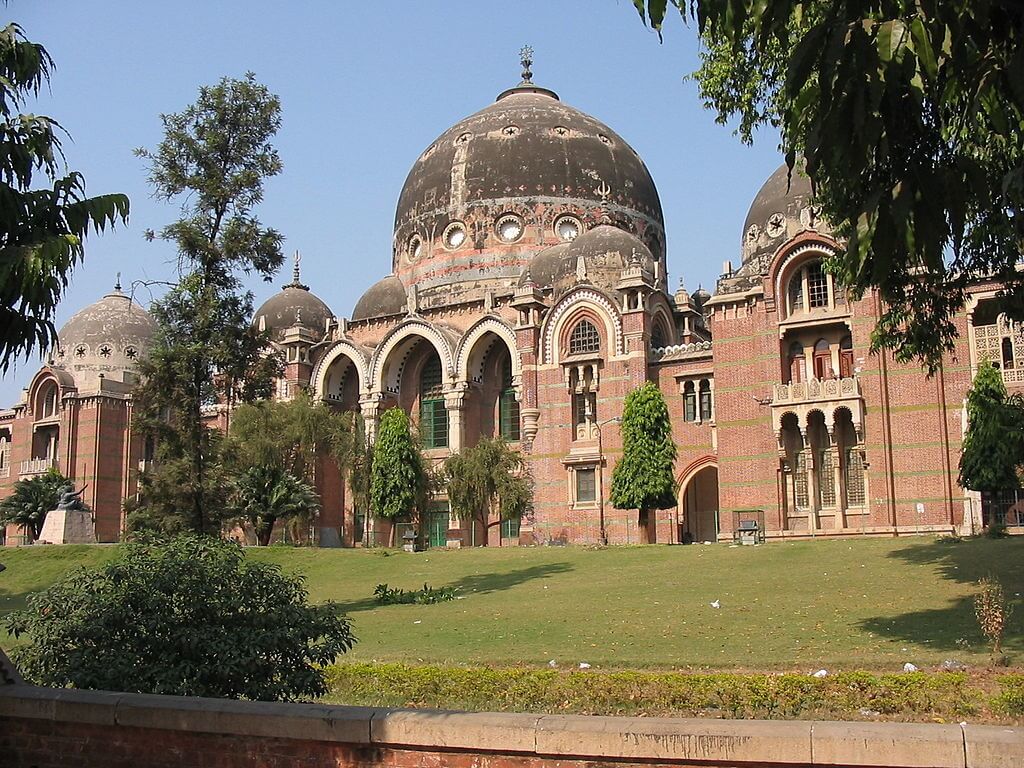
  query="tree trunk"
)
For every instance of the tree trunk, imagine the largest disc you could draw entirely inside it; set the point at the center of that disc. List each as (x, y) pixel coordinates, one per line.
(643, 523)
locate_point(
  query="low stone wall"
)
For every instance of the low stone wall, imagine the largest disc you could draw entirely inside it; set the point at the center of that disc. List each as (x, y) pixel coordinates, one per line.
(47, 728)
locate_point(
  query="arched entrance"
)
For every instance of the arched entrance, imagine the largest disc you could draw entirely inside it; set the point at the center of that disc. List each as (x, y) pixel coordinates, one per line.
(698, 504)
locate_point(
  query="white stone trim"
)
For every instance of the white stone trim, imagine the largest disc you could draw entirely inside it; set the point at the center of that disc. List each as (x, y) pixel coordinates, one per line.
(472, 337)
(394, 339)
(606, 308)
(796, 254)
(342, 348)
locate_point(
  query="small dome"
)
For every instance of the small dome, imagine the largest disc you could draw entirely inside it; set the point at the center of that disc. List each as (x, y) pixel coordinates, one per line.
(546, 266)
(597, 257)
(700, 296)
(386, 297)
(107, 337)
(294, 305)
(781, 209)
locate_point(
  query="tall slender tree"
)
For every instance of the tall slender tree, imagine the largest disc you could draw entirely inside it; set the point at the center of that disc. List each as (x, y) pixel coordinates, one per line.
(643, 479)
(399, 477)
(215, 157)
(44, 212)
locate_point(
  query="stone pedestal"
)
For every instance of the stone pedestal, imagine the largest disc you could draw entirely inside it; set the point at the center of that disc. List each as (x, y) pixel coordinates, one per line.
(68, 526)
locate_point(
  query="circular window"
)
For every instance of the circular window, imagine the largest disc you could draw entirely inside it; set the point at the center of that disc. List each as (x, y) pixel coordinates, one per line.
(81, 350)
(131, 353)
(454, 235)
(568, 228)
(414, 248)
(560, 130)
(509, 228)
(105, 350)
(510, 130)
(463, 138)
(604, 139)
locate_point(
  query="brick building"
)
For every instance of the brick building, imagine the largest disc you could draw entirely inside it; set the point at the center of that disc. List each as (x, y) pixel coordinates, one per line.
(528, 294)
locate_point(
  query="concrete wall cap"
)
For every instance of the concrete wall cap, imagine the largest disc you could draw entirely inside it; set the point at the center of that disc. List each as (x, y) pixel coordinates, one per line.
(729, 741)
(994, 746)
(907, 745)
(493, 732)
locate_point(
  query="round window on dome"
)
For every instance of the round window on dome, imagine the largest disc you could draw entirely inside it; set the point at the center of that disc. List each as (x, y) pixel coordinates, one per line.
(454, 235)
(509, 228)
(414, 248)
(568, 228)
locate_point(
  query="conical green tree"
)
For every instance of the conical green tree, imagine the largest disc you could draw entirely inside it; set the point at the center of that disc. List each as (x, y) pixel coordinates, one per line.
(993, 448)
(398, 475)
(643, 479)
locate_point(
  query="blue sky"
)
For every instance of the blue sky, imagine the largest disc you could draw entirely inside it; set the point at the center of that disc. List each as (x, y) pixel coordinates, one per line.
(365, 87)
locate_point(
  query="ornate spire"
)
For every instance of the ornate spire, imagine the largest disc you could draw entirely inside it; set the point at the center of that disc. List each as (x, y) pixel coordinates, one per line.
(526, 59)
(117, 283)
(296, 276)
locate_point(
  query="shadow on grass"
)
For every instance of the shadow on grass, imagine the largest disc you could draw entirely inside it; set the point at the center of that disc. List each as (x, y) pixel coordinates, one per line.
(473, 584)
(955, 627)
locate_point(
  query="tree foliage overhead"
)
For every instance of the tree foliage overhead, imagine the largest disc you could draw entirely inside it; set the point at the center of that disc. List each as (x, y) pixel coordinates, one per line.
(399, 476)
(186, 617)
(31, 499)
(487, 484)
(643, 479)
(215, 156)
(910, 115)
(993, 448)
(45, 215)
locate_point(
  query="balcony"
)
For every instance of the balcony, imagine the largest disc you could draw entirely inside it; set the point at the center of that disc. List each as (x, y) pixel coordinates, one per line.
(816, 390)
(36, 466)
(803, 398)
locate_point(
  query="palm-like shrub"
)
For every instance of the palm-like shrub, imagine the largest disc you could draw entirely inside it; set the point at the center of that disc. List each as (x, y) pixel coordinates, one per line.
(264, 495)
(31, 499)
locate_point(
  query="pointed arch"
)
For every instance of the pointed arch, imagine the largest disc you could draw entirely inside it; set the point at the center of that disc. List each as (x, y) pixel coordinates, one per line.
(340, 349)
(471, 353)
(389, 359)
(566, 310)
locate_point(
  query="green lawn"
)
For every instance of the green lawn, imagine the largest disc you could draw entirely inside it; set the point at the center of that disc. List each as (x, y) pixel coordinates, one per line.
(839, 604)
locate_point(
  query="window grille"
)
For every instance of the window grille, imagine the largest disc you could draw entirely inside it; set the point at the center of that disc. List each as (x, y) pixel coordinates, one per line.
(586, 485)
(689, 402)
(705, 400)
(580, 401)
(796, 293)
(827, 478)
(508, 405)
(658, 337)
(510, 528)
(584, 339)
(800, 495)
(855, 493)
(817, 286)
(433, 414)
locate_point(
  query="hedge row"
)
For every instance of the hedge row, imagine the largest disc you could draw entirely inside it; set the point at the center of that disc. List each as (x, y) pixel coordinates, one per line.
(945, 694)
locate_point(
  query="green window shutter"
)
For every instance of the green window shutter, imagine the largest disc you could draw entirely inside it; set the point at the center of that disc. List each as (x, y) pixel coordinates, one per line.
(510, 528)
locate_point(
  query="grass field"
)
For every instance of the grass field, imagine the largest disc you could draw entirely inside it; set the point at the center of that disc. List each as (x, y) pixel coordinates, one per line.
(839, 604)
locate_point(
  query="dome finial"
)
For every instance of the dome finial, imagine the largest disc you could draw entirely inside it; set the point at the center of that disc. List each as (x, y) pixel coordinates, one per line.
(296, 276)
(117, 283)
(526, 59)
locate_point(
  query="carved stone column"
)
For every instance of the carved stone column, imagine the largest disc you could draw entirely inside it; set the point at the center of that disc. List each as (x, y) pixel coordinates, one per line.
(455, 402)
(369, 405)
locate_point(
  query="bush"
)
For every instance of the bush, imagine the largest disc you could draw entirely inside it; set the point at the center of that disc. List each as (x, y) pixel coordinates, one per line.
(652, 693)
(188, 617)
(992, 612)
(1010, 700)
(385, 595)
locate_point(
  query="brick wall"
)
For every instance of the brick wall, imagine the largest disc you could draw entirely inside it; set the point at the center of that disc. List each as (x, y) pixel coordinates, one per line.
(45, 728)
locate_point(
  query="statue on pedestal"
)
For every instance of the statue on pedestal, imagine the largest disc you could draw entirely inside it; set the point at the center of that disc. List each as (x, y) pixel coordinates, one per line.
(70, 499)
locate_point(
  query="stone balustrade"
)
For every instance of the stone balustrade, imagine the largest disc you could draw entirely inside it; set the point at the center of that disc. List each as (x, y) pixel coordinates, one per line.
(36, 466)
(815, 390)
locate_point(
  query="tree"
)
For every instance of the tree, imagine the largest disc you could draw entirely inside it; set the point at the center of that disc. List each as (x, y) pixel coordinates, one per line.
(910, 116)
(31, 499)
(993, 448)
(399, 476)
(216, 155)
(185, 617)
(643, 479)
(265, 494)
(486, 484)
(44, 213)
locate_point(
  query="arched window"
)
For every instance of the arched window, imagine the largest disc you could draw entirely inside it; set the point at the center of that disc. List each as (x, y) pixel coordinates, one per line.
(47, 401)
(795, 364)
(508, 405)
(433, 415)
(1006, 349)
(822, 360)
(705, 400)
(689, 402)
(584, 339)
(810, 288)
(658, 336)
(846, 357)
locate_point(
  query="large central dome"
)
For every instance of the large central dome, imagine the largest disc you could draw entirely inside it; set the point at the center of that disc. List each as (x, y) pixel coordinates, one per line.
(521, 175)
